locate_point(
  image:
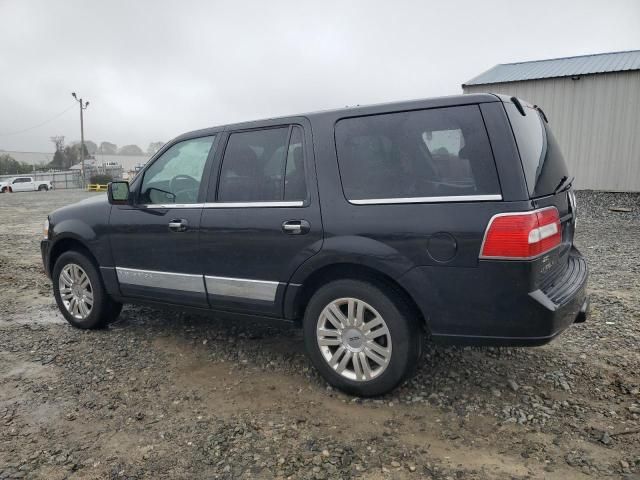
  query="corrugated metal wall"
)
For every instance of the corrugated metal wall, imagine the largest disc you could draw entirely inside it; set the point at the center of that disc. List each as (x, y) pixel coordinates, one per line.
(596, 120)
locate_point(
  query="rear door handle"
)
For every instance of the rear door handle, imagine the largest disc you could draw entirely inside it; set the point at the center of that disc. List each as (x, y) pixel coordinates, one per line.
(296, 227)
(178, 225)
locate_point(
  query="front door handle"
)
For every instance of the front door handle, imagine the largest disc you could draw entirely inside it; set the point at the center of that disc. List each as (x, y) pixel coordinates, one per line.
(296, 227)
(178, 225)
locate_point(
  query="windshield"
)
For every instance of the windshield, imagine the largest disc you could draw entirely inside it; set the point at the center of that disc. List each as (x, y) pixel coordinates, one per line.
(542, 160)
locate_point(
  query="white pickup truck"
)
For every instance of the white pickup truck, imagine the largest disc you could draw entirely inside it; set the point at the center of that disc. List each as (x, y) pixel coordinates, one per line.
(24, 184)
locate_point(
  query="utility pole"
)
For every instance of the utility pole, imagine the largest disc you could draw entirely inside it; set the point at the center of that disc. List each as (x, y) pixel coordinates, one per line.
(82, 107)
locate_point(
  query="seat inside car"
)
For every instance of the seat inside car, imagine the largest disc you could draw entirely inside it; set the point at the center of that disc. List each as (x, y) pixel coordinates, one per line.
(296, 186)
(242, 180)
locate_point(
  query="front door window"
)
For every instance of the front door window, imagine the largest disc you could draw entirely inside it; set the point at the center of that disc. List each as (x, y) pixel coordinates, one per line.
(175, 177)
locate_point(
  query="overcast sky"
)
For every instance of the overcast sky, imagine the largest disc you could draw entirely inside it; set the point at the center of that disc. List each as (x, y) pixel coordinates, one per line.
(152, 70)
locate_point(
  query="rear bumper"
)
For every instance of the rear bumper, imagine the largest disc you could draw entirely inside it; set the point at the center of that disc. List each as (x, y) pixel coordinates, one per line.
(492, 305)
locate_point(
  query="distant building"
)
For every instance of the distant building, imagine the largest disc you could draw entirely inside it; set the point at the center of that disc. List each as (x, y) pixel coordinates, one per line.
(93, 167)
(593, 106)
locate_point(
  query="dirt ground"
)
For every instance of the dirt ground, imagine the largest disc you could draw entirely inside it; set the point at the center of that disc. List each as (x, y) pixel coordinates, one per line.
(163, 394)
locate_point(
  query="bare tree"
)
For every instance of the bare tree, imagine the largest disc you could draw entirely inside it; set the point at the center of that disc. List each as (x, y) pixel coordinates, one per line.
(59, 142)
(59, 157)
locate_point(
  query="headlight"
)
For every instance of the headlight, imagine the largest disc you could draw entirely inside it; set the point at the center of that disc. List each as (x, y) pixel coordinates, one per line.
(46, 229)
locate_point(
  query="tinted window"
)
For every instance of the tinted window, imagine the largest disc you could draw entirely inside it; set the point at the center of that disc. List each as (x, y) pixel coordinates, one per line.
(426, 153)
(295, 187)
(253, 168)
(541, 157)
(175, 176)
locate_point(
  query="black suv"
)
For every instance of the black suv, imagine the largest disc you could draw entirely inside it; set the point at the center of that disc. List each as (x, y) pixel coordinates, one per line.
(372, 227)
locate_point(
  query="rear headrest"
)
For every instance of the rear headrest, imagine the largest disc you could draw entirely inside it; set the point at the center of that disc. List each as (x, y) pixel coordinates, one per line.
(245, 160)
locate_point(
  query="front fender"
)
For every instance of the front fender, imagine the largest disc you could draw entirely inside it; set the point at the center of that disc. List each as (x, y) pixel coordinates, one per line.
(75, 229)
(86, 222)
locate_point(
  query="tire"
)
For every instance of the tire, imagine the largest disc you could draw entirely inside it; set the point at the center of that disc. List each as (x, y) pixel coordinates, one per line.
(102, 310)
(42, 188)
(402, 340)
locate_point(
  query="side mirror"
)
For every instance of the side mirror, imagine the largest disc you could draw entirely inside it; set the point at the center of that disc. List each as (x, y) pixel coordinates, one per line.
(118, 193)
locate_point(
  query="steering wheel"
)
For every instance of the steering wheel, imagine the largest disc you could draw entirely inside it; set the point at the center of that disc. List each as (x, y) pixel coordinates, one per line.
(190, 186)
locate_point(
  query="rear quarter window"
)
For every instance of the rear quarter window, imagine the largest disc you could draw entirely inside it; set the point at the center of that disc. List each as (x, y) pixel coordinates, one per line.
(425, 153)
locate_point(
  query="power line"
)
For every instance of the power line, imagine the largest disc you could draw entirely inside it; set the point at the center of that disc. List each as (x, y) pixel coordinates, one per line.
(39, 125)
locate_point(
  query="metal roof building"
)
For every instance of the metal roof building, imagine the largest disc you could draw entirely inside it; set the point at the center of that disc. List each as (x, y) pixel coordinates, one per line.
(593, 106)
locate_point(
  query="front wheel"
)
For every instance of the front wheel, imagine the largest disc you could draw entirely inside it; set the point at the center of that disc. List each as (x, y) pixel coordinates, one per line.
(79, 293)
(42, 188)
(364, 340)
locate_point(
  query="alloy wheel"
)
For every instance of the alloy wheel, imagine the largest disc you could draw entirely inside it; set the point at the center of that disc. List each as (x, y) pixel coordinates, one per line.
(354, 339)
(76, 291)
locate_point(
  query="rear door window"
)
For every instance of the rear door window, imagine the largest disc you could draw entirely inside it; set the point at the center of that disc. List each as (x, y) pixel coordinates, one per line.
(426, 153)
(542, 160)
(263, 166)
(295, 187)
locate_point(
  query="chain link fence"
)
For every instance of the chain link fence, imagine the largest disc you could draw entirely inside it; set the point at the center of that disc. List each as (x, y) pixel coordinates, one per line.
(60, 180)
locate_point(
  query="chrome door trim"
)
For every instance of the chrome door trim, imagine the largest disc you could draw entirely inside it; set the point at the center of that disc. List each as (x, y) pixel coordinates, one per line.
(167, 280)
(246, 288)
(297, 203)
(451, 198)
(172, 205)
(241, 288)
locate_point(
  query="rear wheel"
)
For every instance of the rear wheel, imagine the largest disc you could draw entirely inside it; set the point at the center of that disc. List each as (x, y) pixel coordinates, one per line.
(363, 339)
(79, 292)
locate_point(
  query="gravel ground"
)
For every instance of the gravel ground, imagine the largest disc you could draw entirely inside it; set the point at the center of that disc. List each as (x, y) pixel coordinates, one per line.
(163, 394)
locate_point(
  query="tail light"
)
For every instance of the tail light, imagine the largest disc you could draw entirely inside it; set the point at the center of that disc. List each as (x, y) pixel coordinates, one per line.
(522, 235)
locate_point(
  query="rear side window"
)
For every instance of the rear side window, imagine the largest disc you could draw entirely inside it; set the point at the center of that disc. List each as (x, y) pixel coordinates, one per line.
(542, 160)
(424, 153)
(295, 187)
(263, 166)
